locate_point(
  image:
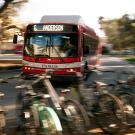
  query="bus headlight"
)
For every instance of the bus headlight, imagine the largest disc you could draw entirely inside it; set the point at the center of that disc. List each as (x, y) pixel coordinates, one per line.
(70, 70)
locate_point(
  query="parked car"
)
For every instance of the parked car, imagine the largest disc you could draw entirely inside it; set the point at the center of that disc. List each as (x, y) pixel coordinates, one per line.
(128, 52)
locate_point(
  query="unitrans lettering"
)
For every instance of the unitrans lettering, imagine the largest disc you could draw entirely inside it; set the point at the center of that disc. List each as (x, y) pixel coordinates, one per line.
(53, 27)
(49, 66)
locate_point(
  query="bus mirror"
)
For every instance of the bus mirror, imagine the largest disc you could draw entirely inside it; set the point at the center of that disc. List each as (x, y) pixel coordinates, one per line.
(15, 39)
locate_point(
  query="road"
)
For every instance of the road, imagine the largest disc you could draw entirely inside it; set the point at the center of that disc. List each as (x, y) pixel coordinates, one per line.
(111, 63)
(110, 67)
(116, 64)
(9, 100)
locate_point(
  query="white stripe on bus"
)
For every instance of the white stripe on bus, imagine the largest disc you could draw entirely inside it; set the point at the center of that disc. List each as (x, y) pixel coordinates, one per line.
(43, 65)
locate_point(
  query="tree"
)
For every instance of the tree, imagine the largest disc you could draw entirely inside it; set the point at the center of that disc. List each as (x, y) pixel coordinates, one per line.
(5, 3)
(110, 27)
(7, 13)
(127, 31)
(120, 32)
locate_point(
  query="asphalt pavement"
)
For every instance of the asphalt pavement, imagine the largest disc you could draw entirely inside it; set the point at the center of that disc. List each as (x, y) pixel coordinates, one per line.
(116, 64)
(112, 67)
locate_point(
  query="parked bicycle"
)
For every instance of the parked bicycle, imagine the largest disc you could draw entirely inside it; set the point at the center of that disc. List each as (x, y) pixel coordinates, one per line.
(37, 117)
(70, 111)
(124, 88)
(122, 85)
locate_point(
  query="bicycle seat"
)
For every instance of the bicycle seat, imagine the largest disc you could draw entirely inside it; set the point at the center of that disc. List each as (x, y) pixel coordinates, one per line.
(20, 86)
(121, 82)
(30, 93)
(41, 95)
(100, 84)
(2, 94)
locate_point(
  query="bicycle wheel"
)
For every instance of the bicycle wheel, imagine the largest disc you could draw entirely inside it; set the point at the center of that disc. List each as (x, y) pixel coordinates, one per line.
(50, 123)
(79, 121)
(109, 114)
(129, 107)
(2, 123)
(42, 120)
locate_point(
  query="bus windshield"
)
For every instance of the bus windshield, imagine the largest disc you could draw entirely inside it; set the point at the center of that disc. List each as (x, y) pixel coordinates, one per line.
(51, 45)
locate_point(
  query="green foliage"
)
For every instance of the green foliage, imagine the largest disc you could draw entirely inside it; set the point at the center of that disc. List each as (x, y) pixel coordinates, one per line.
(120, 32)
(7, 14)
(130, 59)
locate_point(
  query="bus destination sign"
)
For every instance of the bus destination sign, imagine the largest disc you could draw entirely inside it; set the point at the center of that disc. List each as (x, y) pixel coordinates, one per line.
(48, 27)
(51, 28)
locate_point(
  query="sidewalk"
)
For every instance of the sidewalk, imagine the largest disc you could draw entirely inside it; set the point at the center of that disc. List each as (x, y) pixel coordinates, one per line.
(10, 61)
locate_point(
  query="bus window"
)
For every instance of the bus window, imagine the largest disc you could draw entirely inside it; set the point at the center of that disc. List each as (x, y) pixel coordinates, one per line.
(50, 45)
(86, 45)
(89, 45)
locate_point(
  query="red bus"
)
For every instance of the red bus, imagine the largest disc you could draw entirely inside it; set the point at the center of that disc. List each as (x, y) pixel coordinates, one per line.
(64, 43)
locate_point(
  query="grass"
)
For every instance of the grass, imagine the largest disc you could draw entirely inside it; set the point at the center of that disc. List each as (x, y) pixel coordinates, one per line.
(129, 58)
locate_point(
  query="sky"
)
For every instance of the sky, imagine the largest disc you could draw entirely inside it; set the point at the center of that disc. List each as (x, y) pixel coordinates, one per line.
(90, 10)
(2, 2)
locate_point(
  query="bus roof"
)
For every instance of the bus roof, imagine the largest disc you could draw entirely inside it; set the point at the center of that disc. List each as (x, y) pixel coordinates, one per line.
(73, 19)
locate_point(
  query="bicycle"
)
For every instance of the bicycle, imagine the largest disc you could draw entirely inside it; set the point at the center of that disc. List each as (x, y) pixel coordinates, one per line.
(106, 108)
(125, 90)
(37, 117)
(121, 84)
(110, 105)
(68, 110)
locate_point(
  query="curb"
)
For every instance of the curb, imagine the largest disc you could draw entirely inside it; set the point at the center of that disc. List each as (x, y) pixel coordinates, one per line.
(10, 64)
(6, 67)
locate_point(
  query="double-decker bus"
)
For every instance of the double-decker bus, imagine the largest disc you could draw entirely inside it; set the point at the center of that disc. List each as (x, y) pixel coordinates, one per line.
(63, 43)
